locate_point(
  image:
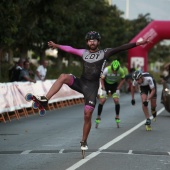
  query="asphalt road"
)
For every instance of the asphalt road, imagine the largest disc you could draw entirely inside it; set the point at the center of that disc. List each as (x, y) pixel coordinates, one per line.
(52, 142)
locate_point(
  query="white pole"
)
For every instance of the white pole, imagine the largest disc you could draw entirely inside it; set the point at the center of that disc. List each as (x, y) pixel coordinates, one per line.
(127, 9)
(110, 2)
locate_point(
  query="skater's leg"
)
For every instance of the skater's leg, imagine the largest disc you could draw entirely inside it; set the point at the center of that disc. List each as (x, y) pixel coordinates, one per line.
(145, 108)
(88, 110)
(148, 125)
(100, 107)
(102, 100)
(63, 79)
(117, 110)
(117, 106)
(153, 108)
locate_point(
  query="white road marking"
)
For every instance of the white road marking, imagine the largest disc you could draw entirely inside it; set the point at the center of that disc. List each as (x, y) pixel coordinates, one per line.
(130, 151)
(107, 145)
(61, 151)
(51, 145)
(26, 152)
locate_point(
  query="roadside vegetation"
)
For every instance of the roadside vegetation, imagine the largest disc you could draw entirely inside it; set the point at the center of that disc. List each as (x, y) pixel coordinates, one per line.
(27, 25)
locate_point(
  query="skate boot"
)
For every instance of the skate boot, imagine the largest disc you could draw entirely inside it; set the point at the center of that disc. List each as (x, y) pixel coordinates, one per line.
(154, 114)
(148, 125)
(84, 147)
(117, 122)
(98, 120)
(42, 100)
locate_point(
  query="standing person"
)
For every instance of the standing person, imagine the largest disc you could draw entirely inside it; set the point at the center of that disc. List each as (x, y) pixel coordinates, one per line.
(41, 71)
(148, 92)
(93, 61)
(14, 72)
(165, 79)
(129, 79)
(125, 86)
(112, 80)
(25, 73)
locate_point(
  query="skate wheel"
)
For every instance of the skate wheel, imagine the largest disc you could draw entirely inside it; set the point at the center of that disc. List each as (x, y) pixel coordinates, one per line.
(42, 112)
(148, 128)
(96, 126)
(83, 153)
(34, 105)
(117, 122)
(97, 122)
(154, 119)
(28, 97)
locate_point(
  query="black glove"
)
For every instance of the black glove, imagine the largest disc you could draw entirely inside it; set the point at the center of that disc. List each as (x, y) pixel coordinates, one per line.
(145, 103)
(133, 101)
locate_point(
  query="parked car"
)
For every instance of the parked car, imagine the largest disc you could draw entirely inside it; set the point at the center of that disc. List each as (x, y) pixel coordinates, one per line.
(166, 95)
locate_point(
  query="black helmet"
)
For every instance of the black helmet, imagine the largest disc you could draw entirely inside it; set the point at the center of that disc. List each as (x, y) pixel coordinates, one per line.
(137, 74)
(92, 35)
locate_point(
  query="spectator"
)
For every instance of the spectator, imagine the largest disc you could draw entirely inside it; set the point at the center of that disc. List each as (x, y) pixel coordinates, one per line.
(166, 74)
(165, 78)
(14, 72)
(26, 73)
(125, 86)
(41, 71)
(128, 79)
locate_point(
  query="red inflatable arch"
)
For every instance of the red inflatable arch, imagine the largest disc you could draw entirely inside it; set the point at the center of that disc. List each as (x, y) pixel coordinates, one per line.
(158, 30)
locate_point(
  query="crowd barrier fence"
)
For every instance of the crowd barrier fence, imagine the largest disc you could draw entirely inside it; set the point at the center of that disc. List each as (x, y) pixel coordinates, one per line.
(14, 105)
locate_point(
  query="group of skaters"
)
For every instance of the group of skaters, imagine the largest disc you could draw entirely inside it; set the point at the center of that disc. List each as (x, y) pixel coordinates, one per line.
(111, 77)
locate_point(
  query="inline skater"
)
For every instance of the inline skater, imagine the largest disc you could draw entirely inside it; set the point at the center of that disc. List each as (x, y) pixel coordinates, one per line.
(112, 80)
(93, 61)
(148, 92)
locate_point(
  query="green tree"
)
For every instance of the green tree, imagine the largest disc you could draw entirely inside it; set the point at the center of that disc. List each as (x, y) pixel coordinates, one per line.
(30, 24)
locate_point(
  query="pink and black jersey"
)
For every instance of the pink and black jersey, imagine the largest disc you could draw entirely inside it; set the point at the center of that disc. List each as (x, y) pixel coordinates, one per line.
(93, 63)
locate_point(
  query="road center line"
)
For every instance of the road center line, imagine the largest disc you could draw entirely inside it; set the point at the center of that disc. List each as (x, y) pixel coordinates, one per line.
(107, 145)
(61, 151)
(26, 152)
(130, 152)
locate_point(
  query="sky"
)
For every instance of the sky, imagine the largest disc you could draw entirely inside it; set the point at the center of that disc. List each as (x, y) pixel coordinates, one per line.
(158, 9)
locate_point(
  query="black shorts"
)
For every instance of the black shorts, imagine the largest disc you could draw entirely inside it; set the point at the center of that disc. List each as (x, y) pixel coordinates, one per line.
(146, 90)
(110, 87)
(88, 88)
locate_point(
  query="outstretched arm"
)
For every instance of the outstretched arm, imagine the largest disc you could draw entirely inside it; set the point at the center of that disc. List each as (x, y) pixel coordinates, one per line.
(127, 46)
(66, 48)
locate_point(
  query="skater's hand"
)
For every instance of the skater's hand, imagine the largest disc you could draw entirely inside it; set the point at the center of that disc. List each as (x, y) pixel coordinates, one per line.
(133, 101)
(144, 41)
(118, 92)
(103, 93)
(52, 45)
(145, 103)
